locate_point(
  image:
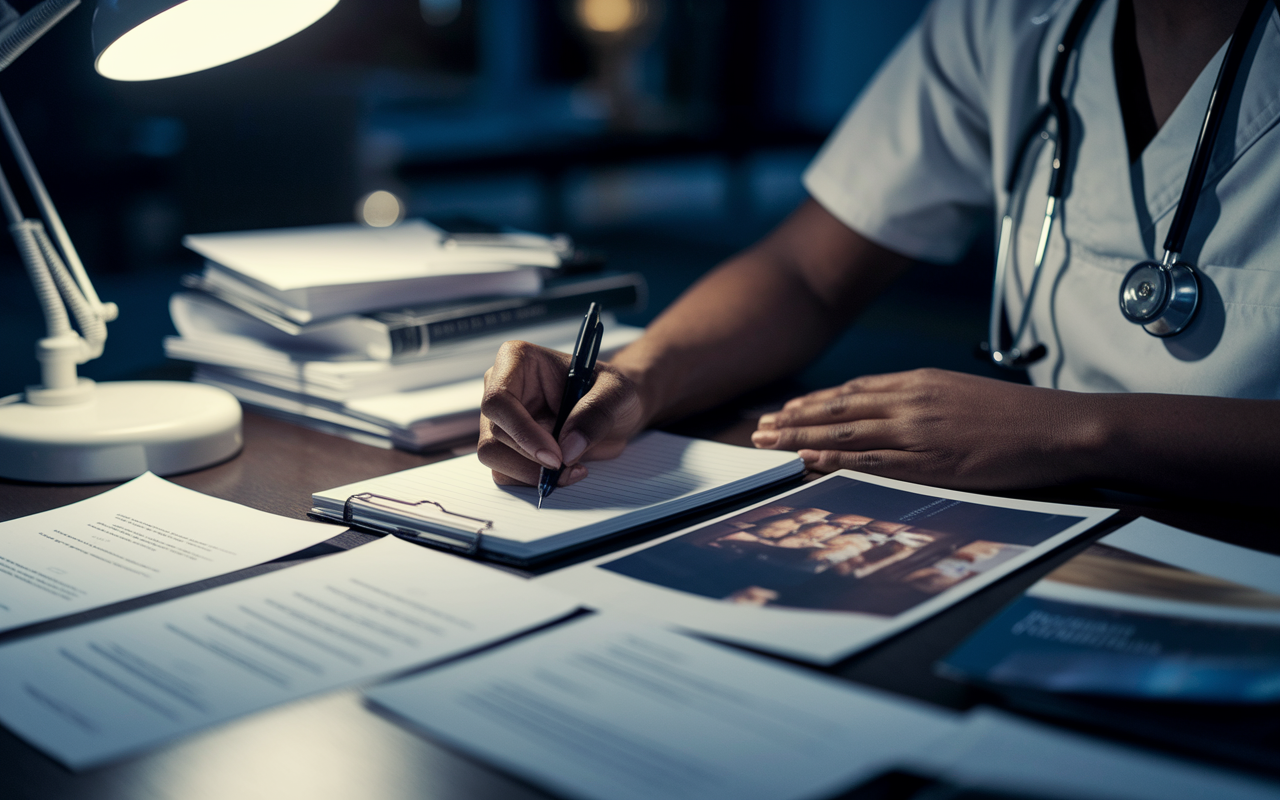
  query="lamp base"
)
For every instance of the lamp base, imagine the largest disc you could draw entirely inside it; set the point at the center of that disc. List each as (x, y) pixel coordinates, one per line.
(125, 429)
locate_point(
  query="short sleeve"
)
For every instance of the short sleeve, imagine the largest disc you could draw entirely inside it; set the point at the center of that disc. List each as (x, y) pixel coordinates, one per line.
(909, 166)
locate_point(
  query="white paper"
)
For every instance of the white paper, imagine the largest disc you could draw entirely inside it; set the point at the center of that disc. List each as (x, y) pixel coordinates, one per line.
(329, 255)
(139, 538)
(999, 752)
(820, 634)
(607, 709)
(99, 691)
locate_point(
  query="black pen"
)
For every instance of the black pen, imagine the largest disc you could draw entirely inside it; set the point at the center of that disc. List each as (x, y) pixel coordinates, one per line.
(581, 377)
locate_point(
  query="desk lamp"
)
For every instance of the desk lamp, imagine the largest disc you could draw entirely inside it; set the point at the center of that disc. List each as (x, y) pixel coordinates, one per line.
(69, 429)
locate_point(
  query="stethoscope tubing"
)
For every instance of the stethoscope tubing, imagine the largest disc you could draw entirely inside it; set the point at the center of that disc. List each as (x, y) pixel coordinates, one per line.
(1224, 86)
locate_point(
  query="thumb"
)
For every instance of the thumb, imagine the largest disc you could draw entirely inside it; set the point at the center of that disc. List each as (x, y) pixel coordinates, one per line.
(598, 415)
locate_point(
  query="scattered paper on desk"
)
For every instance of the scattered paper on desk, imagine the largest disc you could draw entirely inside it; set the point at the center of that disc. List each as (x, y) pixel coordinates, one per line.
(139, 538)
(96, 692)
(830, 568)
(1002, 753)
(608, 709)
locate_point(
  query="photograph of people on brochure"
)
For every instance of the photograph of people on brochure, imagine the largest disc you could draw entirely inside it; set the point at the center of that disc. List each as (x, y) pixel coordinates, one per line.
(843, 545)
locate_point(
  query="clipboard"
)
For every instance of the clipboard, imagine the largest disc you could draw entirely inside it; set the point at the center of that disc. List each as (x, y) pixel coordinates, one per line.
(455, 505)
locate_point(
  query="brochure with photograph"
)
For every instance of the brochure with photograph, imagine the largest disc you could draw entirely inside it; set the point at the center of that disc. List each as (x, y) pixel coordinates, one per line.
(830, 568)
(1149, 612)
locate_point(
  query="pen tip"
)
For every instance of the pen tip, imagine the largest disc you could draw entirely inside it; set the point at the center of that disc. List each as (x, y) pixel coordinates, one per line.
(540, 496)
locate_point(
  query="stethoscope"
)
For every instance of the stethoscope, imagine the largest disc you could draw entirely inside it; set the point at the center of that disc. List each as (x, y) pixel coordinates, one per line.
(1161, 296)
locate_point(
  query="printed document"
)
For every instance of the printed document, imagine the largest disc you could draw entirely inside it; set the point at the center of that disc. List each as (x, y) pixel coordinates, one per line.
(830, 568)
(609, 709)
(139, 538)
(93, 693)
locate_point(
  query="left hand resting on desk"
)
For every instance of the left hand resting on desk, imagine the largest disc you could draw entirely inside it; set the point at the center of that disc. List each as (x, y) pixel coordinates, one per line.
(937, 427)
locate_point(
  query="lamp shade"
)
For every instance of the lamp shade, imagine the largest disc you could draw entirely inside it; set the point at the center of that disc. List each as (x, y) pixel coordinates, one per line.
(139, 40)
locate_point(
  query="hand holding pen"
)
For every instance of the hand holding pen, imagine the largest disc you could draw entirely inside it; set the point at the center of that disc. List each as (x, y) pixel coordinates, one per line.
(581, 377)
(522, 400)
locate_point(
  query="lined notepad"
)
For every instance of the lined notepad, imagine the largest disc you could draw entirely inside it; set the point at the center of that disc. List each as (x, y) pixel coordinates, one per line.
(659, 475)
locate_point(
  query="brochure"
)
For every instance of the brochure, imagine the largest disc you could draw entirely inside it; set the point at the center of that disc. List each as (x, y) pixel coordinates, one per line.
(1149, 611)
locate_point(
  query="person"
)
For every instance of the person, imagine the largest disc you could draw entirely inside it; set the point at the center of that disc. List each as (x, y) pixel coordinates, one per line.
(910, 174)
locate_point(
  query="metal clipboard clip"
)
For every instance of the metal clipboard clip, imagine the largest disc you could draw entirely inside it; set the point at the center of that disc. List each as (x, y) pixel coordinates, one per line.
(448, 530)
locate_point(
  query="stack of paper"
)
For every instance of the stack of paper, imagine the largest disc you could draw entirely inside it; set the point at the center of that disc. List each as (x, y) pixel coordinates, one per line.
(326, 326)
(313, 273)
(411, 404)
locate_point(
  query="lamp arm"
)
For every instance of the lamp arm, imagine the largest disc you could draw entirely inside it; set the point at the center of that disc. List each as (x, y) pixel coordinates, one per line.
(16, 39)
(92, 327)
(55, 313)
(106, 311)
(31, 26)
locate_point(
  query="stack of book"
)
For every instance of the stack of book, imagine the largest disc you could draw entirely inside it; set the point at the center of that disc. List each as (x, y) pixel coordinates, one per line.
(380, 335)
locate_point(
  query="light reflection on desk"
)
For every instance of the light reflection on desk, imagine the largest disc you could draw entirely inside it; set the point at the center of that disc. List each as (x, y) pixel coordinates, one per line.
(329, 748)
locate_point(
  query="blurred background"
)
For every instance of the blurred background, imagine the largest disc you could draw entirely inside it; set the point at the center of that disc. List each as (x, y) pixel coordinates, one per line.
(664, 133)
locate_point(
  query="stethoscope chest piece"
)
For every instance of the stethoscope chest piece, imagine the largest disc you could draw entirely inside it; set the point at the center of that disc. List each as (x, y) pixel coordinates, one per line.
(1162, 298)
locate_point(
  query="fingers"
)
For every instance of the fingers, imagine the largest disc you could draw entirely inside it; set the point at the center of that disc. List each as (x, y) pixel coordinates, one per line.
(511, 468)
(522, 382)
(858, 434)
(837, 408)
(522, 396)
(571, 475)
(892, 381)
(601, 419)
(888, 463)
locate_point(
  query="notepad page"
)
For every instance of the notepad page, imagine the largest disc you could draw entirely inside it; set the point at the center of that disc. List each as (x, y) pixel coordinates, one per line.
(656, 469)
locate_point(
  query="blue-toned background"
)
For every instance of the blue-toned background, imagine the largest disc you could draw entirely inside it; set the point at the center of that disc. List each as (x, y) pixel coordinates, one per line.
(668, 147)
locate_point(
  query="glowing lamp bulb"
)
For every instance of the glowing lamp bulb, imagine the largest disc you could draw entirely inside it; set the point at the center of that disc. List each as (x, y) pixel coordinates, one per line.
(190, 36)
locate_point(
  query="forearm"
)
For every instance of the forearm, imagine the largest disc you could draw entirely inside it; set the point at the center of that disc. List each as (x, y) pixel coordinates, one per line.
(1191, 446)
(721, 338)
(758, 316)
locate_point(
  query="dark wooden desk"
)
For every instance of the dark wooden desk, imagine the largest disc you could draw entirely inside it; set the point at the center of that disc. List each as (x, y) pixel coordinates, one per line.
(333, 746)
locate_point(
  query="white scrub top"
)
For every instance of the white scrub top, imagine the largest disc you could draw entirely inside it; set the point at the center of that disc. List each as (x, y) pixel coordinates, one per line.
(924, 155)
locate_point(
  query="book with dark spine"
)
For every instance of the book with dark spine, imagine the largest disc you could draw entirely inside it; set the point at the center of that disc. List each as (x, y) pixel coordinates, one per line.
(400, 334)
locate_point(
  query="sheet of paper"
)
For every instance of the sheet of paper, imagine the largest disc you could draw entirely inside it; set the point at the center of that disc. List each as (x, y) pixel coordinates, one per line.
(999, 752)
(141, 537)
(96, 692)
(609, 709)
(830, 568)
(324, 255)
(656, 468)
